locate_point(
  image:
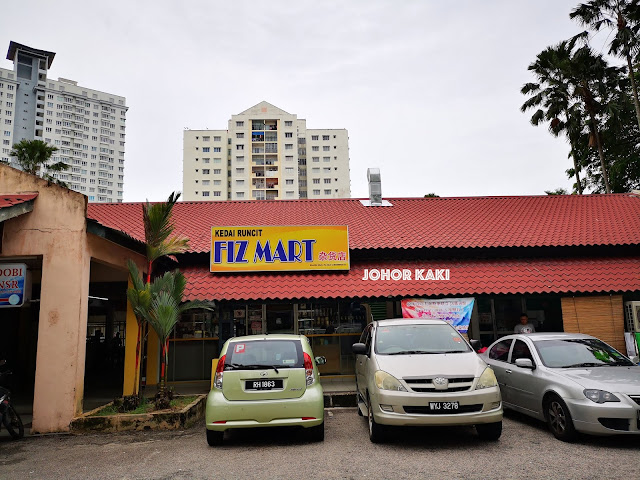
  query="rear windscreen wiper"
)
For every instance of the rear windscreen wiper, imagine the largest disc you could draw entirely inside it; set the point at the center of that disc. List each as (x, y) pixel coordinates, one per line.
(250, 366)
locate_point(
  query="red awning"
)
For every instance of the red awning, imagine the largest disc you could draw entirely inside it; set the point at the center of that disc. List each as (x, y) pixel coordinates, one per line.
(466, 277)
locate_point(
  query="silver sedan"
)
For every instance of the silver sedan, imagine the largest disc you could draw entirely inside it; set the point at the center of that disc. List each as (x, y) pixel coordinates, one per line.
(574, 382)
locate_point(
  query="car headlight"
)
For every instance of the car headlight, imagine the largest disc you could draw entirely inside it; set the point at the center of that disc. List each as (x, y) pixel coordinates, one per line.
(384, 381)
(600, 396)
(487, 379)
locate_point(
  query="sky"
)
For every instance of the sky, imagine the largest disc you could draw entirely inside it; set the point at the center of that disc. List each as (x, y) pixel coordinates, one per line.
(429, 90)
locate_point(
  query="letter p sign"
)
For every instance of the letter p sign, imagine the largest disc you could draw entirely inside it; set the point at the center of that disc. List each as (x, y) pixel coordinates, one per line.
(239, 348)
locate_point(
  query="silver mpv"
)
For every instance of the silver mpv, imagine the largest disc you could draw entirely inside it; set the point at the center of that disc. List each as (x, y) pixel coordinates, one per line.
(423, 372)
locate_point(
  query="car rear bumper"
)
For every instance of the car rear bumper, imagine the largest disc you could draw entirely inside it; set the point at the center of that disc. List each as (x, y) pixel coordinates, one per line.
(265, 413)
(409, 408)
(611, 418)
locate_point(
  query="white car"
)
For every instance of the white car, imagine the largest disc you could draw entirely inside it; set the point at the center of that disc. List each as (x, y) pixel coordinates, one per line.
(423, 372)
(572, 381)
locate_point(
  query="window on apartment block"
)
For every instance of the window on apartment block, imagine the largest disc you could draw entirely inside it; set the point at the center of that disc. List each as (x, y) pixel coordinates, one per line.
(288, 146)
(239, 194)
(327, 180)
(205, 194)
(205, 182)
(325, 137)
(326, 148)
(288, 135)
(239, 124)
(240, 158)
(314, 137)
(216, 150)
(206, 139)
(204, 149)
(239, 171)
(288, 123)
(240, 135)
(315, 159)
(217, 139)
(205, 171)
(316, 181)
(327, 192)
(217, 160)
(217, 171)
(239, 147)
(316, 192)
(315, 148)
(289, 158)
(289, 181)
(326, 159)
(205, 160)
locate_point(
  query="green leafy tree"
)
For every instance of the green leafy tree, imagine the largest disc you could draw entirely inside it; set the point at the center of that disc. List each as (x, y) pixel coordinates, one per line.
(557, 191)
(33, 157)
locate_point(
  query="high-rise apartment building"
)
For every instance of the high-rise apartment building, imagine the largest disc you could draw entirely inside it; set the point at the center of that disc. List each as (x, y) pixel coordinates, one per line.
(265, 154)
(87, 126)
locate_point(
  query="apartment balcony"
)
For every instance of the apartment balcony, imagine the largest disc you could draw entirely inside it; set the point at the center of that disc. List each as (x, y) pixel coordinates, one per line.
(272, 196)
(257, 136)
(259, 196)
(259, 186)
(257, 150)
(271, 148)
(271, 138)
(271, 174)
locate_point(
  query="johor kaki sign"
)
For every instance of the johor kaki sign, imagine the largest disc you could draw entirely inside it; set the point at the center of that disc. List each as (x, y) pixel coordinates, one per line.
(282, 248)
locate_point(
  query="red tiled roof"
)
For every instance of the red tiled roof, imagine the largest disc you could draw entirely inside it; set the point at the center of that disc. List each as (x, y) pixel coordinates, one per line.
(496, 276)
(463, 222)
(11, 200)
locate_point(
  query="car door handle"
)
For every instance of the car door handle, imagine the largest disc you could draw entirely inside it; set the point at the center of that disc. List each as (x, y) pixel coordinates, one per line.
(508, 371)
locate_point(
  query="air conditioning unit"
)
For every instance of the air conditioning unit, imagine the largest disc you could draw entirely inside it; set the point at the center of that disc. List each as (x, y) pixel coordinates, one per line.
(632, 316)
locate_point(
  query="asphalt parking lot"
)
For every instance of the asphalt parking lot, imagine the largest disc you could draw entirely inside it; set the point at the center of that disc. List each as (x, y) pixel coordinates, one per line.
(525, 450)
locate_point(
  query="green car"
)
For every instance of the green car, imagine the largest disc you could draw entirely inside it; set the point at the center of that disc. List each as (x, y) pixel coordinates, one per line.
(266, 381)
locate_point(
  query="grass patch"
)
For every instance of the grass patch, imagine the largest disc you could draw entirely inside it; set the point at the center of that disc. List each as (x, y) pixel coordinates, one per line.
(147, 405)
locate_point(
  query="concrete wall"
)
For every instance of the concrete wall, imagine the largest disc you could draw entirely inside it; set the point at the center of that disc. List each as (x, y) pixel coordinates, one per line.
(56, 231)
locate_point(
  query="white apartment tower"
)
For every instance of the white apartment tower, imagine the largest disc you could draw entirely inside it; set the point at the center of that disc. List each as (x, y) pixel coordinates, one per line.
(87, 126)
(265, 154)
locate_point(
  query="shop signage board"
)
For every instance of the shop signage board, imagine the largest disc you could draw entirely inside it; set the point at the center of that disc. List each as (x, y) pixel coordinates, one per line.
(12, 284)
(456, 311)
(279, 248)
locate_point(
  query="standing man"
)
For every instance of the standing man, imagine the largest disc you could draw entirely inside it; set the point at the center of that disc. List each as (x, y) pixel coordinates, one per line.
(524, 326)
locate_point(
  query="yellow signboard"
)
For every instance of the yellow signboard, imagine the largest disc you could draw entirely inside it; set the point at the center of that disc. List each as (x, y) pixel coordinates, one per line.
(286, 248)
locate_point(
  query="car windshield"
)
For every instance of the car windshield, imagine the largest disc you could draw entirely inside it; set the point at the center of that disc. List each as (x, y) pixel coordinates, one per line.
(255, 354)
(419, 339)
(579, 353)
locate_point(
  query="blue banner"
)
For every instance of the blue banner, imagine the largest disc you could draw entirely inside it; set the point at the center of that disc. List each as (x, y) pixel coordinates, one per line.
(456, 311)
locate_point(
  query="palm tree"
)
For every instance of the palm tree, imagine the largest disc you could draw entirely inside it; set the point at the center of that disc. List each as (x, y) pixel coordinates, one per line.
(160, 304)
(33, 157)
(158, 228)
(553, 98)
(622, 17)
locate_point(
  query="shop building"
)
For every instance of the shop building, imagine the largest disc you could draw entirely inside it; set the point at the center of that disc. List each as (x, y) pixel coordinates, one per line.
(571, 262)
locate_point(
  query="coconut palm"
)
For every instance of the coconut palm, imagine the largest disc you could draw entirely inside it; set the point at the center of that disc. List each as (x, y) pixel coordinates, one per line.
(33, 157)
(553, 99)
(620, 16)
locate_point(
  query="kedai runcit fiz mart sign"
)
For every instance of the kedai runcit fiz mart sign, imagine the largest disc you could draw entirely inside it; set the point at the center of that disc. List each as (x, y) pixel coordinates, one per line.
(282, 248)
(12, 284)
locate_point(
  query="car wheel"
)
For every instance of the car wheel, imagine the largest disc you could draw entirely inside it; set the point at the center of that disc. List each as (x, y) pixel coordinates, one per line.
(489, 431)
(214, 438)
(316, 434)
(559, 419)
(376, 431)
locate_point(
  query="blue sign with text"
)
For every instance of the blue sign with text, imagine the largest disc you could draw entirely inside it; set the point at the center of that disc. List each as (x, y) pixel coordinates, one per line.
(12, 284)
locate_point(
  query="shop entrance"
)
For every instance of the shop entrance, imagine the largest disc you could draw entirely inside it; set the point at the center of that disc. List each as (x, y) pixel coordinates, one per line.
(105, 341)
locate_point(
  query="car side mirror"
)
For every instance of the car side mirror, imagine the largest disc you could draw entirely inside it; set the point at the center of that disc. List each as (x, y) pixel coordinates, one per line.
(321, 360)
(359, 348)
(635, 359)
(475, 344)
(525, 363)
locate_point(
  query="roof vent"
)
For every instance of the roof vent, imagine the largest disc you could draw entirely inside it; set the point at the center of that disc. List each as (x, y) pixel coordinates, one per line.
(375, 186)
(375, 190)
